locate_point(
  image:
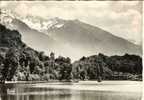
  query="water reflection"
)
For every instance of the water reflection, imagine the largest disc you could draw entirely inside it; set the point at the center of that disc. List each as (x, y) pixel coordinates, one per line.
(4, 91)
(27, 92)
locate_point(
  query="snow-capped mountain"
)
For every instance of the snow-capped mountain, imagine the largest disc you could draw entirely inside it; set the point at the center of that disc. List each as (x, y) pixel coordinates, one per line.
(36, 23)
(43, 25)
(7, 17)
(71, 38)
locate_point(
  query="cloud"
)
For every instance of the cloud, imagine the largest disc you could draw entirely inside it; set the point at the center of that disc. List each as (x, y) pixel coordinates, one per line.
(122, 18)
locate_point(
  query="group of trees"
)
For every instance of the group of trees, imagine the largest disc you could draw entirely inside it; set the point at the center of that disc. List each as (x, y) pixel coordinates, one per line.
(91, 68)
(41, 67)
(26, 65)
(105, 66)
(126, 63)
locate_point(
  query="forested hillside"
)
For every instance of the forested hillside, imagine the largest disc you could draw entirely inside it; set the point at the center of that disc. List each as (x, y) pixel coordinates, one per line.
(20, 62)
(111, 67)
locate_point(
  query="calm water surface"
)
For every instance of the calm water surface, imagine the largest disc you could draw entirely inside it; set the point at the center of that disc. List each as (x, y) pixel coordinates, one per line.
(66, 91)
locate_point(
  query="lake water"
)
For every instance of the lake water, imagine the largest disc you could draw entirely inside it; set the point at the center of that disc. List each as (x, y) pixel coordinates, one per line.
(88, 90)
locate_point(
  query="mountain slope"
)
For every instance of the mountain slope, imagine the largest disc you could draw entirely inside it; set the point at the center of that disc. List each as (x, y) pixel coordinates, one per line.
(33, 37)
(93, 38)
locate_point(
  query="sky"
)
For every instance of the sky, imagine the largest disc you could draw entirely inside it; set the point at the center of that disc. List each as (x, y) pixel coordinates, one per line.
(121, 18)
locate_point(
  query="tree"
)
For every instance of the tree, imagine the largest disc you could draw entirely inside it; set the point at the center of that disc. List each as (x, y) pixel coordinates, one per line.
(64, 68)
(11, 63)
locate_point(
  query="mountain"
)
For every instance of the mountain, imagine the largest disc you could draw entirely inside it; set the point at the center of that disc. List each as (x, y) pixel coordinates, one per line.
(30, 36)
(71, 38)
(93, 39)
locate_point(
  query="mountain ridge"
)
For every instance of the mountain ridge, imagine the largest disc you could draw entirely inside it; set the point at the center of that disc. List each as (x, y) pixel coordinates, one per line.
(73, 35)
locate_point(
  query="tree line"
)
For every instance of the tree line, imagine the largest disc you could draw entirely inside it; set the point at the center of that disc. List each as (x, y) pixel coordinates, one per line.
(29, 65)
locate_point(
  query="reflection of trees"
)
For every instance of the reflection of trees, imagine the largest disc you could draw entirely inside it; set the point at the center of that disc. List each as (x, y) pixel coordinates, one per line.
(3, 92)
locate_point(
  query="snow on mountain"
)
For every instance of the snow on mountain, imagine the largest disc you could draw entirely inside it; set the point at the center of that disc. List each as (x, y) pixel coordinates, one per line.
(36, 23)
(42, 25)
(59, 25)
(6, 18)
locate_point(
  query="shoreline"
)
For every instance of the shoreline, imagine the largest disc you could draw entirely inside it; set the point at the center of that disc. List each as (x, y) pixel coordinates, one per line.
(57, 81)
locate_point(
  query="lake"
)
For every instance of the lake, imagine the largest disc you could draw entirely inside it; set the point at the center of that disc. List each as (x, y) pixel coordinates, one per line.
(83, 90)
